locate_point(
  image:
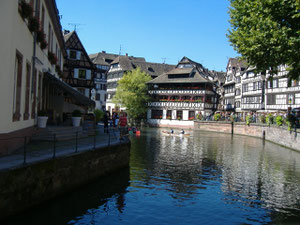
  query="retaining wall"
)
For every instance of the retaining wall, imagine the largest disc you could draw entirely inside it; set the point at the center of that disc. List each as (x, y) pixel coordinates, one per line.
(278, 135)
(24, 187)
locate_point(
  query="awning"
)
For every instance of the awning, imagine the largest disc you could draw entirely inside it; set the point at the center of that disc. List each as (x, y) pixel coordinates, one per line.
(77, 96)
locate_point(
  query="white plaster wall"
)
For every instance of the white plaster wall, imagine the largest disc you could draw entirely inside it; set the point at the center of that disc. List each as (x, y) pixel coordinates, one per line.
(15, 35)
(171, 123)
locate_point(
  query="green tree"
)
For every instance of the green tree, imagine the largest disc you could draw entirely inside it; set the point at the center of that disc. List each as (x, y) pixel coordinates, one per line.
(132, 93)
(267, 33)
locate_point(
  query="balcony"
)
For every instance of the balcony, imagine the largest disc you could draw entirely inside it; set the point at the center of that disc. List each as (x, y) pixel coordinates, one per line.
(180, 92)
(182, 105)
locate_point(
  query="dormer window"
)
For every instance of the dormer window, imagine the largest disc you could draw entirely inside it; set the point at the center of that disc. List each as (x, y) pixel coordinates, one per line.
(116, 65)
(181, 66)
(150, 69)
(82, 74)
(73, 54)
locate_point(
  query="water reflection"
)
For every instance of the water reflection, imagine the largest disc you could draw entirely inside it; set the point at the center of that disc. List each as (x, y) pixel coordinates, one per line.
(208, 178)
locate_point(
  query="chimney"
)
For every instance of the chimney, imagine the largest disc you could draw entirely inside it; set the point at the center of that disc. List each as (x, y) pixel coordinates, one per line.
(66, 32)
(103, 51)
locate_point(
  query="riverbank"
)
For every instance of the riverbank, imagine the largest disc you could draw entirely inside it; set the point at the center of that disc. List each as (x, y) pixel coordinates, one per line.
(27, 185)
(278, 135)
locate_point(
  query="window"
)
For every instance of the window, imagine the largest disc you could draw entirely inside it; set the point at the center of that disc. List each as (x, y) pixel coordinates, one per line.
(254, 86)
(73, 54)
(185, 66)
(156, 114)
(116, 65)
(17, 86)
(280, 99)
(238, 80)
(82, 74)
(191, 115)
(27, 91)
(275, 83)
(238, 104)
(169, 114)
(290, 99)
(259, 85)
(245, 87)
(98, 97)
(270, 84)
(43, 18)
(179, 114)
(271, 99)
(238, 91)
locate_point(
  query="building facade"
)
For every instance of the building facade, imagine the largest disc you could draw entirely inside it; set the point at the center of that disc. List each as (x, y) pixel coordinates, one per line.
(79, 70)
(123, 64)
(248, 91)
(102, 60)
(181, 93)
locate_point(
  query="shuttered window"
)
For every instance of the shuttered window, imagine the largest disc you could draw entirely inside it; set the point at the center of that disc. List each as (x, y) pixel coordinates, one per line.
(17, 86)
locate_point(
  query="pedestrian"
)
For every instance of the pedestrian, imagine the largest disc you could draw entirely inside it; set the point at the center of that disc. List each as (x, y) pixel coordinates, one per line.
(123, 125)
(105, 121)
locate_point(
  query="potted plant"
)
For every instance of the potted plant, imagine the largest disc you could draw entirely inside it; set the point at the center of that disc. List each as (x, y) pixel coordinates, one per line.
(42, 119)
(76, 118)
(25, 9)
(33, 24)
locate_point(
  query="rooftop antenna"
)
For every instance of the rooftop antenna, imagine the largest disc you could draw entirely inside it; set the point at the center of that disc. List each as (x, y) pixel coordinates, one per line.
(120, 52)
(75, 25)
(164, 60)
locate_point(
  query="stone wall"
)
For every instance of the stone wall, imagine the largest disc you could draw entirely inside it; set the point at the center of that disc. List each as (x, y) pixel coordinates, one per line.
(24, 187)
(278, 135)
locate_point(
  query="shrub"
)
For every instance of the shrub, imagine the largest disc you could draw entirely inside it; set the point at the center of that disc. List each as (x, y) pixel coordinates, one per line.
(248, 120)
(76, 113)
(25, 10)
(99, 114)
(279, 120)
(217, 117)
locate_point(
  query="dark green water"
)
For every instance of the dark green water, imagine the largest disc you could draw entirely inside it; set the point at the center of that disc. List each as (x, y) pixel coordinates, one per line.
(208, 178)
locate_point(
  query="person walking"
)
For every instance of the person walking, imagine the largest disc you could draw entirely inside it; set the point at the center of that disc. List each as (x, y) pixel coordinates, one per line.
(105, 121)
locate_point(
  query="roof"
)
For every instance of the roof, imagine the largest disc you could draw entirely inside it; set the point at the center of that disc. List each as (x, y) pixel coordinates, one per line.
(237, 63)
(153, 69)
(195, 74)
(68, 35)
(103, 58)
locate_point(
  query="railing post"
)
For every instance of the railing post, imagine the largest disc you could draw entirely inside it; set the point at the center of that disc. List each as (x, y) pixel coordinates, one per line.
(54, 145)
(95, 140)
(25, 142)
(76, 142)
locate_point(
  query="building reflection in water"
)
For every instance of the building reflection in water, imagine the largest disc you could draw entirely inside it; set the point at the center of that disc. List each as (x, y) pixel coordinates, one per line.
(267, 176)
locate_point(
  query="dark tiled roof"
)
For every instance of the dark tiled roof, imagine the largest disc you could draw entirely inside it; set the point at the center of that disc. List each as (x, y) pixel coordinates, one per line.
(103, 58)
(126, 61)
(237, 63)
(68, 35)
(196, 74)
(153, 69)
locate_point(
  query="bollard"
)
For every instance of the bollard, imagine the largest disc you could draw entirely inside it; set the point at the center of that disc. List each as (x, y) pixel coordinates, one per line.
(25, 142)
(54, 145)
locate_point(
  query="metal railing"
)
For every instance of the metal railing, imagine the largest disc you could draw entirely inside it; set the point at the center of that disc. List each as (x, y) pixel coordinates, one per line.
(60, 143)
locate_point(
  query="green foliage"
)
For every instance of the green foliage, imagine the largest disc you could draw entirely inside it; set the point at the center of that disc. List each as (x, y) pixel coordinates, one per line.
(279, 120)
(267, 33)
(270, 119)
(132, 93)
(217, 117)
(289, 124)
(262, 118)
(99, 114)
(76, 113)
(248, 120)
(199, 116)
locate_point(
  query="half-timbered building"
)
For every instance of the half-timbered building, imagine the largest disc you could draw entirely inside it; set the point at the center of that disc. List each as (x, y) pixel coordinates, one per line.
(79, 70)
(123, 64)
(232, 86)
(102, 60)
(181, 93)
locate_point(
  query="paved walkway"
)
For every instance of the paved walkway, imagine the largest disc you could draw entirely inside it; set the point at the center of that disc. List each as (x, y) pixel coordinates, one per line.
(42, 150)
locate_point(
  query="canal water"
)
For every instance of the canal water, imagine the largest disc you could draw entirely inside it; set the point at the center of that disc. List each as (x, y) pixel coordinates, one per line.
(207, 178)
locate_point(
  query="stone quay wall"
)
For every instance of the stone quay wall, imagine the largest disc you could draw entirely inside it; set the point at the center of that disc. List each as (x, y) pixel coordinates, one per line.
(29, 185)
(278, 135)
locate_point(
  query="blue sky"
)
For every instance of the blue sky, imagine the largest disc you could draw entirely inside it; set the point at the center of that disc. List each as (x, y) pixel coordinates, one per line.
(154, 29)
